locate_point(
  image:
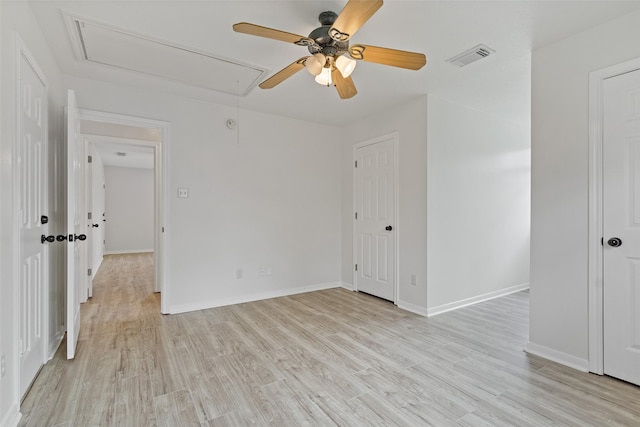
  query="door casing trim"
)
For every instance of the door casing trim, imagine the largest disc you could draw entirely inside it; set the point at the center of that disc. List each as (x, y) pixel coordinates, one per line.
(161, 196)
(595, 232)
(395, 138)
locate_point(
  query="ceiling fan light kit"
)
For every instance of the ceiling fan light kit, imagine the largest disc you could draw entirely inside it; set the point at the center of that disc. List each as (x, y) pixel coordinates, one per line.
(332, 60)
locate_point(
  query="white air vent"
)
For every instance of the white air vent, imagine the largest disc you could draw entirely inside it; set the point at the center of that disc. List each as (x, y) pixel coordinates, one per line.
(107, 45)
(472, 55)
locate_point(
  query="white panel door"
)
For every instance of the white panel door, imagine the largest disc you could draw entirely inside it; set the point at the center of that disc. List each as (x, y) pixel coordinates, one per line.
(76, 225)
(31, 166)
(374, 222)
(621, 212)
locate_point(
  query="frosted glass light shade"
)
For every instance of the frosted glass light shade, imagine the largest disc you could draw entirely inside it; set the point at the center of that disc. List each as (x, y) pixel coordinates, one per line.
(345, 65)
(314, 63)
(324, 78)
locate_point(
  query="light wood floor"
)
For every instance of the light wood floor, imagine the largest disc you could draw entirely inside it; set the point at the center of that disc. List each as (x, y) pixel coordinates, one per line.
(323, 358)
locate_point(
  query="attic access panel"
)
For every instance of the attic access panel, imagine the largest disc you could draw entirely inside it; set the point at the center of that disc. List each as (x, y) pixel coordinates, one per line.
(102, 44)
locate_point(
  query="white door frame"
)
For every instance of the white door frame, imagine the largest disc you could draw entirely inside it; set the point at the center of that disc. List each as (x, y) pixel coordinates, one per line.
(161, 196)
(395, 138)
(595, 273)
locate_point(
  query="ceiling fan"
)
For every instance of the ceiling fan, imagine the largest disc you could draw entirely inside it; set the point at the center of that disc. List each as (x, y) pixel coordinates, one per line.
(332, 59)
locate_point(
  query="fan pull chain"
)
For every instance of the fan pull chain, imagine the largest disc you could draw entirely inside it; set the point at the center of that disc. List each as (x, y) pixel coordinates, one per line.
(237, 112)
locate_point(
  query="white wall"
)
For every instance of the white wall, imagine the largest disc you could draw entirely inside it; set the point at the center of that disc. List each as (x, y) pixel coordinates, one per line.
(560, 75)
(271, 200)
(129, 206)
(478, 205)
(410, 121)
(97, 209)
(17, 16)
(463, 203)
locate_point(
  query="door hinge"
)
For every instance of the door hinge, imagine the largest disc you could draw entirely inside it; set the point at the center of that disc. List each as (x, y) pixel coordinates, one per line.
(89, 215)
(90, 159)
(602, 241)
(89, 272)
(356, 267)
(163, 229)
(356, 215)
(356, 163)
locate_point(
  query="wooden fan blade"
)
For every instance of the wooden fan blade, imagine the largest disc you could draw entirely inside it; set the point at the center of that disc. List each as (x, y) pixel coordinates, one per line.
(385, 56)
(283, 74)
(346, 88)
(352, 17)
(270, 33)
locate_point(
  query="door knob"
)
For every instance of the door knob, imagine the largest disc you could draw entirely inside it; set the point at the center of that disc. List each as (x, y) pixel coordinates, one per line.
(61, 237)
(45, 238)
(73, 237)
(388, 228)
(614, 242)
(96, 225)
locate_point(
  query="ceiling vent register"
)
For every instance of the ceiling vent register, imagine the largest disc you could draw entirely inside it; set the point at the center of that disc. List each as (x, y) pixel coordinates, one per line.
(472, 55)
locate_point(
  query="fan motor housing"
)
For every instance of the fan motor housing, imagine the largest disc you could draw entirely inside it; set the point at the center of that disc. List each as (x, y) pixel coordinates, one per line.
(329, 46)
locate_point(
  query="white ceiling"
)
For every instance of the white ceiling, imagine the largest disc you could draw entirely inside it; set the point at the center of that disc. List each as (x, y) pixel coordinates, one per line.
(498, 85)
(137, 155)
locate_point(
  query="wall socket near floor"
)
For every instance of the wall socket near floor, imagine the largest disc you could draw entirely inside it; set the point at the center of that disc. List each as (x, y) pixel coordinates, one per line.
(264, 271)
(239, 273)
(3, 366)
(413, 280)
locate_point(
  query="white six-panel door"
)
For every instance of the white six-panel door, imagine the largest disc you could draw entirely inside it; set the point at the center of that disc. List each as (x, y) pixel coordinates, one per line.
(31, 167)
(76, 224)
(621, 220)
(375, 222)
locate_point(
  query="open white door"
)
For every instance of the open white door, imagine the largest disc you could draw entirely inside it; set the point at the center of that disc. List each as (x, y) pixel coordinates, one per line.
(91, 233)
(621, 213)
(76, 224)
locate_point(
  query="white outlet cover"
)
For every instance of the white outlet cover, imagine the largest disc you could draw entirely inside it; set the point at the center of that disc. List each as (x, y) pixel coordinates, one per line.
(183, 192)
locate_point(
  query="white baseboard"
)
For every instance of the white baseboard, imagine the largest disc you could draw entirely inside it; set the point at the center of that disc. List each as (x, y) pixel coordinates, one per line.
(474, 300)
(347, 286)
(412, 308)
(558, 357)
(128, 251)
(183, 308)
(12, 417)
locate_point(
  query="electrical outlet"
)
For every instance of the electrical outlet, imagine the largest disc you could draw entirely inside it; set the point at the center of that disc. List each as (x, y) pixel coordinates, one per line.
(183, 192)
(239, 273)
(262, 271)
(3, 366)
(413, 280)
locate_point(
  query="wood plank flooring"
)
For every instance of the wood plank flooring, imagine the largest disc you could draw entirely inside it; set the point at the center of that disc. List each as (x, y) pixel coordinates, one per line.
(318, 359)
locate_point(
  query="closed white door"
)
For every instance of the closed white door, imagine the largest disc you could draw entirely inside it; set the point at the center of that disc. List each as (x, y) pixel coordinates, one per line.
(621, 212)
(375, 219)
(31, 165)
(76, 225)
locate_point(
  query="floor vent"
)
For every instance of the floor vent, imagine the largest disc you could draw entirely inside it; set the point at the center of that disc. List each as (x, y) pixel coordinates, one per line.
(472, 55)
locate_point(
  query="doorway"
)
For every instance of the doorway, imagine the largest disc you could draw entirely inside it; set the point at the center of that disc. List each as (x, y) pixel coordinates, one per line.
(142, 141)
(614, 229)
(375, 225)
